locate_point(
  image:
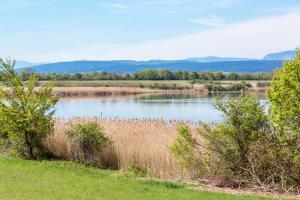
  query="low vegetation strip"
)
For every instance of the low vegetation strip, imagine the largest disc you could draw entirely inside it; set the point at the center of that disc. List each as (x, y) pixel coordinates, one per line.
(160, 74)
(30, 180)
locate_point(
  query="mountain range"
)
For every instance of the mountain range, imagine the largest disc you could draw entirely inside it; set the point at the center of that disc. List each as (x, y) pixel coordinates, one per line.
(217, 59)
(285, 55)
(211, 63)
(26, 64)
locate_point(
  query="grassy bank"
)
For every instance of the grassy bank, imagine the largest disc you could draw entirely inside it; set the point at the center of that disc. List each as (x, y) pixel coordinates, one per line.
(21, 179)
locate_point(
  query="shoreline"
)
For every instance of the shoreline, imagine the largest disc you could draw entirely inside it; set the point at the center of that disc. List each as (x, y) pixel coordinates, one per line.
(110, 91)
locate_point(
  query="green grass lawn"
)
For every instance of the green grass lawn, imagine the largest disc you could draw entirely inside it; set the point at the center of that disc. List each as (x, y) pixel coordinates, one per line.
(21, 179)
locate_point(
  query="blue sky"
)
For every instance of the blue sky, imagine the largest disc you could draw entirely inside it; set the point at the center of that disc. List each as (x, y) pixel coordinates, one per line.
(56, 30)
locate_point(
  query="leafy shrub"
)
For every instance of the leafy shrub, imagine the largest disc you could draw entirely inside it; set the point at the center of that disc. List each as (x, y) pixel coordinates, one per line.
(246, 124)
(183, 146)
(88, 140)
(243, 150)
(26, 114)
(216, 86)
(136, 170)
(263, 84)
(167, 87)
(189, 153)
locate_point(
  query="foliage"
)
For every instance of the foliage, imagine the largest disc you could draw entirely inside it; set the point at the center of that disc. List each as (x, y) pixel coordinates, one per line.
(167, 86)
(160, 74)
(89, 140)
(284, 111)
(25, 113)
(230, 144)
(263, 84)
(285, 97)
(183, 146)
(245, 125)
(217, 87)
(243, 150)
(136, 170)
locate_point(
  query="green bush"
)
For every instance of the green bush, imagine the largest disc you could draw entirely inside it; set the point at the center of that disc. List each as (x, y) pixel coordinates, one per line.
(246, 125)
(137, 171)
(183, 146)
(167, 86)
(217, 87)
(263, 84)
(88, 141)
(243, 150)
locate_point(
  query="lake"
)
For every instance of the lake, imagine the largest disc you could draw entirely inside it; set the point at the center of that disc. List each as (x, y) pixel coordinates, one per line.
(193, 107)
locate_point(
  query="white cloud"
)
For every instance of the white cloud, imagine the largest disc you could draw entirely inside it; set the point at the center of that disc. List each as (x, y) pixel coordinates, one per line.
(253, 38)
(210, 21)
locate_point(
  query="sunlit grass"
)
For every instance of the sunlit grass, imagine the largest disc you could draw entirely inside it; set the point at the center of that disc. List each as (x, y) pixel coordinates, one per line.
(30, 180)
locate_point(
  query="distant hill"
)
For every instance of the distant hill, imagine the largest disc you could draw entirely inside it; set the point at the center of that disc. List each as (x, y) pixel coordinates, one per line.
(210, 63)
(285, 55)
(128, 66)
(25, 64)
(217, 59)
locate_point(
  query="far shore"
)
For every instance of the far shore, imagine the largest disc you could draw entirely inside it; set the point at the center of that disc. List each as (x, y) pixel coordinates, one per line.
(103, 91)
(108, 91)
(105, 88)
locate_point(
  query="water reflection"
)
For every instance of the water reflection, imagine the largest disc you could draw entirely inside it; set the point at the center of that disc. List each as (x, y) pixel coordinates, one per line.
(192, 107)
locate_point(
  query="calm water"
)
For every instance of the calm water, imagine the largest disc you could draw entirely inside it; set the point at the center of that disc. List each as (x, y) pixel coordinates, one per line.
(169, 107)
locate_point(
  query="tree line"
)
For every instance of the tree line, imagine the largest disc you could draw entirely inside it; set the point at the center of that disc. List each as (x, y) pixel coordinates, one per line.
(159, 74)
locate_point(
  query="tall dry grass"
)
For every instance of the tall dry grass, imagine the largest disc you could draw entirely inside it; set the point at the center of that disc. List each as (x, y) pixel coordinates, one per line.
(142, 142)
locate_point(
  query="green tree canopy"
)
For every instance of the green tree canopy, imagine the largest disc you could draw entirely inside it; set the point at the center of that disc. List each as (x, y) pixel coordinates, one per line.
(25, 111)
(285, 96)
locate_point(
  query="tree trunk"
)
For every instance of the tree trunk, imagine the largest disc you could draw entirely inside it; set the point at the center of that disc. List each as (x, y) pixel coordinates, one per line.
(29, 144)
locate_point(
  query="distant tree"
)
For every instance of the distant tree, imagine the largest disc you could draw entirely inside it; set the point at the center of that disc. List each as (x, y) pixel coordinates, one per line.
(202, 76)
(25, 113)
(194, 75)
(165, 74)
(232, 76)
(178, 75)
(78, 76)
(26, 73)
(219, 76)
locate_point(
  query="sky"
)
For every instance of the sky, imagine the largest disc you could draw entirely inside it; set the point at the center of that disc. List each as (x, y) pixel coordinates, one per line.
(64, 30)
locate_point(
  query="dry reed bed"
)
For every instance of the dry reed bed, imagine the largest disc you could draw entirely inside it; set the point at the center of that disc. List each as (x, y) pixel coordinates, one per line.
(100, 91)
(143, 142)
